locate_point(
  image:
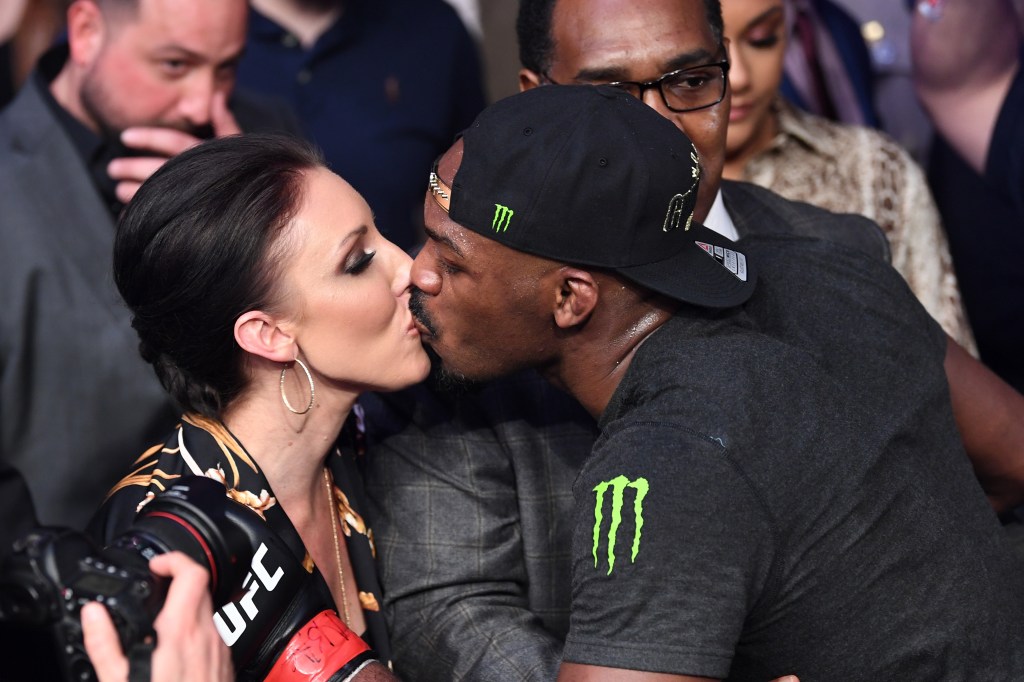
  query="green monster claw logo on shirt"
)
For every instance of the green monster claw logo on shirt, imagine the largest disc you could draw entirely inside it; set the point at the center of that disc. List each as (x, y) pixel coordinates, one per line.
(618, 486)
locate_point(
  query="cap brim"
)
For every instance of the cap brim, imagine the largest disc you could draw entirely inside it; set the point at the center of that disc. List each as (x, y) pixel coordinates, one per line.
(697, 276)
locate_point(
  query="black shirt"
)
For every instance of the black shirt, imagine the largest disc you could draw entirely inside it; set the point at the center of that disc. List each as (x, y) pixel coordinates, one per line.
(781, 488)
(96, 151)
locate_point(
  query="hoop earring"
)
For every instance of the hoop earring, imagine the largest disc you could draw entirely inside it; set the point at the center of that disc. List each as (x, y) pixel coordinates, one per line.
(312, 389)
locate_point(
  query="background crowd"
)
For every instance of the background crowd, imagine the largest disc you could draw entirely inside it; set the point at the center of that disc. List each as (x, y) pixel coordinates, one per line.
(908, 114)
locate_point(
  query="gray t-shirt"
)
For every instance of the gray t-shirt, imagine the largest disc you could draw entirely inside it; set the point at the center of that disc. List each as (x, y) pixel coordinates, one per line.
(757, 506)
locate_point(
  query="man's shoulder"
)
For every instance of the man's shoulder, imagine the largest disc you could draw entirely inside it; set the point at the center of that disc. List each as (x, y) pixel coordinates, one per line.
(687, 378)
(26, 121)
(36, 157)
(760, 212)
(37, 160)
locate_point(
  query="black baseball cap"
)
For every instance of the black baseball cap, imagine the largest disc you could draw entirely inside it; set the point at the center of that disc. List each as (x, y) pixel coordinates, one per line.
(594, 177)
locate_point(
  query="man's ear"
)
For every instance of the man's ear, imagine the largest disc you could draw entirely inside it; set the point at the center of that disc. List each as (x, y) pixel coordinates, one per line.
(260, 334)
(576, 298)
(528, 80)
(87, 30)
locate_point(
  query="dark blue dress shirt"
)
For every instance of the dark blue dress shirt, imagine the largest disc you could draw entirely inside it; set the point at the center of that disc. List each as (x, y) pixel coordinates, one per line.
(383, 92)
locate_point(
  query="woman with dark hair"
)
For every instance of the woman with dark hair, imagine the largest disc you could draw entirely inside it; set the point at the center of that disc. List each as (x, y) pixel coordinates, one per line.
(267, 301)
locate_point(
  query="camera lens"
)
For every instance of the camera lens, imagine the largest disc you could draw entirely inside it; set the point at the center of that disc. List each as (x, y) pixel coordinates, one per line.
(196, 517)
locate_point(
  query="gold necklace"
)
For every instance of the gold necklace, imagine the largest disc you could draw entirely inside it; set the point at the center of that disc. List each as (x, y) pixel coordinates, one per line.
(337, 547)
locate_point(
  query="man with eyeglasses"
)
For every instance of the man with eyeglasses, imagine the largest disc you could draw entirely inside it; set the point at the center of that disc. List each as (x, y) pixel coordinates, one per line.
(474, 493)
(641, 49)
(687, 89)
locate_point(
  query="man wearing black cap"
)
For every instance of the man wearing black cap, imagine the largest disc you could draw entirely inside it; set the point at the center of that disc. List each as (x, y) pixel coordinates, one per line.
(472, 493)
(751, 508)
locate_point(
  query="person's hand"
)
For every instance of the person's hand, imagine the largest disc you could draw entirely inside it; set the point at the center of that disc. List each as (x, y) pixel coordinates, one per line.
(188, 645)
(163, 143)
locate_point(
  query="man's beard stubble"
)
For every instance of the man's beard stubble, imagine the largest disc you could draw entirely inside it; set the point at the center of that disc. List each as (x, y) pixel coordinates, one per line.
(445, 380)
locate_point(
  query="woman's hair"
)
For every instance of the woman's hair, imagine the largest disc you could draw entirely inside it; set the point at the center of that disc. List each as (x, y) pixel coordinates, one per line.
(195, 250)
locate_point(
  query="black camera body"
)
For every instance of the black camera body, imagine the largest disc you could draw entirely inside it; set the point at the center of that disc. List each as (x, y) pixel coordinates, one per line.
(53, 572)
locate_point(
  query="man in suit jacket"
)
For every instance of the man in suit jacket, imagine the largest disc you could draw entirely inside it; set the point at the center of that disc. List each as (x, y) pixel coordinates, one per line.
(472, 494)
(77, 403)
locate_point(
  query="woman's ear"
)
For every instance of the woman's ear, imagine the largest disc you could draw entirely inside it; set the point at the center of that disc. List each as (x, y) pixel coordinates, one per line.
(576, 298)
(258, 333)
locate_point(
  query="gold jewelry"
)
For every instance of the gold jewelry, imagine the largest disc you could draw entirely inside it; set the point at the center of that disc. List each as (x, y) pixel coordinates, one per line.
(312, 389)
(337, 546)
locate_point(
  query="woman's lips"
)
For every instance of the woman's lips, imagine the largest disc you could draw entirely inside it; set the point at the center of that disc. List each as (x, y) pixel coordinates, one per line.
(419, 329)
(738, 112)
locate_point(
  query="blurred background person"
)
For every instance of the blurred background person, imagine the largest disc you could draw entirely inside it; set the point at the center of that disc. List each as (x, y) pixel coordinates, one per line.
(884, 26)
(27, 29)
(828, 71)
(862, 48)
(382, 86)
(135, 82)
(842, 168)
(967, 71)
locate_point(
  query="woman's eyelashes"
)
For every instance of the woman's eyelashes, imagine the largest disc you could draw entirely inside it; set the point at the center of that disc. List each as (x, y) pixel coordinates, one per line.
(764, 42)
(766, 31)
(359, 262)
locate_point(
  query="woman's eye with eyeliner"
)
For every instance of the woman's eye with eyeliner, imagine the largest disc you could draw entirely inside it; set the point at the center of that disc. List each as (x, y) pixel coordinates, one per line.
(765, 42)
(361, 262)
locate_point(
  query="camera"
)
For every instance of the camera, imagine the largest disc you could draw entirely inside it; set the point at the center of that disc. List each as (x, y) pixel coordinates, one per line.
(53, 572)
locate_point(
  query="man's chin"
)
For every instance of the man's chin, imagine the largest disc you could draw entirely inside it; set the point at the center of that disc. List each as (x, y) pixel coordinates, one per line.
(445, 379)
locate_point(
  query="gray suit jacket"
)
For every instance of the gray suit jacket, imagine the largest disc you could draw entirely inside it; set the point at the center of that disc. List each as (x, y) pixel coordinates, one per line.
(77, 402)
(471, 498)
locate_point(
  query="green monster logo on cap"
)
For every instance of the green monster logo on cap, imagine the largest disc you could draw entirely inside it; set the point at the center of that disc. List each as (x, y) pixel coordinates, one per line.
(618, 486)
(502, 217)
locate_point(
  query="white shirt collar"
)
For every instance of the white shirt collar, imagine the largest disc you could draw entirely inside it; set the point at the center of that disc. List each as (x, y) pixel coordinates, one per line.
(718, 219)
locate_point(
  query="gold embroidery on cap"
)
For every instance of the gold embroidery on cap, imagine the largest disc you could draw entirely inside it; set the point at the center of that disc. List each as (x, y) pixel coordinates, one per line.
(675, 205)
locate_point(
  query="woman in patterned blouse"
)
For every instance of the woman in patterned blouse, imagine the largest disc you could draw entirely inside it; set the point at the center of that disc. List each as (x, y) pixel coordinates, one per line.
(267, 301)
(841, 168)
